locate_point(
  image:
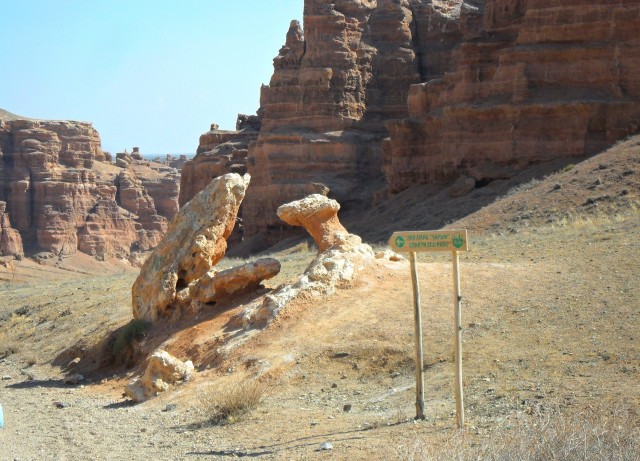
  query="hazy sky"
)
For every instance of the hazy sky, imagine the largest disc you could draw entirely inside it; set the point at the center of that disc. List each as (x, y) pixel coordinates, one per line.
(147, 73)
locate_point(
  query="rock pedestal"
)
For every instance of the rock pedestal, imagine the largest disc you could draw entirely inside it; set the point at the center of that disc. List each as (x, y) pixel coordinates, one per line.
(319, 216)
(341, 257)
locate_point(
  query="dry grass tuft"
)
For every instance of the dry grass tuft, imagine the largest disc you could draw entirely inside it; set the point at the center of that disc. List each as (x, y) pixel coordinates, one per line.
(612, 435)
(232, 404)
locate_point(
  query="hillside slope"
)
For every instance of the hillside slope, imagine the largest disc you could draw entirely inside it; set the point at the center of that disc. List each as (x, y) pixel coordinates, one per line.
(6, 115)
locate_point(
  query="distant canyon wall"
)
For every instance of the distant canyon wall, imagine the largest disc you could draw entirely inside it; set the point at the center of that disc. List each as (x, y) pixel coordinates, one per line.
(383, 95)
(59, 193)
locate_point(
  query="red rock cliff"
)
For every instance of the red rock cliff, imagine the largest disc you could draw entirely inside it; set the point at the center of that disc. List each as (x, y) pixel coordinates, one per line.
(537, 80)
(63, 195)
(324, 109)
(219, 152)
(392, 93)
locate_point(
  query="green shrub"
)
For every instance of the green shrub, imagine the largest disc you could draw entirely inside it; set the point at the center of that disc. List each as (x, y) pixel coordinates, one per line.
(135, 330)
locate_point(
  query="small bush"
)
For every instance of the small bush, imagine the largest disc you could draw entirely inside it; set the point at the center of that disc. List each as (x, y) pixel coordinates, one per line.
(135, 330)
(231, 405)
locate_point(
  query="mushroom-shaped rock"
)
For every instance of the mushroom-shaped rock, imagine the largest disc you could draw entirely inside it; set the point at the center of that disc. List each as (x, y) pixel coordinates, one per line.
(235, 281)
(162, 370)
(319, 216)
(341, 257)
(195, 241)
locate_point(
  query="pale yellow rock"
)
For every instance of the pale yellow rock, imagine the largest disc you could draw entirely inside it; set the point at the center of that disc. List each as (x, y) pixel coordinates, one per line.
(162, 370)
(195, 241)
(237, 280)
(319, 216)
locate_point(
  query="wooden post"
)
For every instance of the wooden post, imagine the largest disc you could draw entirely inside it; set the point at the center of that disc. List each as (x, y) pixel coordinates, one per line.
(457, 341)
(418, 338)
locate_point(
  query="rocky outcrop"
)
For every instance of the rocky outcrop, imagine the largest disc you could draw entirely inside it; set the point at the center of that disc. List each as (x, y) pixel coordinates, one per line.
(162, 371)
(172, 162)
(195, 241)
(405, 92)
(219, 152)
(533, 81)
(64, 195)
(10, 240)
(340, 259)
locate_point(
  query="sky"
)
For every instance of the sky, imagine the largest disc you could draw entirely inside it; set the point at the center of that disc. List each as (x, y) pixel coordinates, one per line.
(148, 73)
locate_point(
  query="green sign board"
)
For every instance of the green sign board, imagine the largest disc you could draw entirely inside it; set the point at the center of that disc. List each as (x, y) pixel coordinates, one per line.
(421, 241)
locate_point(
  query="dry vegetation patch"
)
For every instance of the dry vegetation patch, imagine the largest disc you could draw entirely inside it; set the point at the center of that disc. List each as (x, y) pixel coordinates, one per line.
(232, 403)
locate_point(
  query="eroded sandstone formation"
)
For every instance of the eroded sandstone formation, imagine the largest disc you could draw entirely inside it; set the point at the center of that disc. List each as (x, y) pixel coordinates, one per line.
(195, 241)
(374, 96)
(341, 257)
(10, 240)
(245, 278)
(319, 216)
(64, 195)
(324, 109)
(219, 152)
(533, 81)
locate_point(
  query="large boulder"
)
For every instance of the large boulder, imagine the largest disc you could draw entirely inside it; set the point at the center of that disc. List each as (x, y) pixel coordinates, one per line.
(162, 370)
(194, 243)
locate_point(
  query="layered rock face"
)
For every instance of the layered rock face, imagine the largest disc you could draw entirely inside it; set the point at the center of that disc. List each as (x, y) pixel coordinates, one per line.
(434, 91)
(534, 80)
(324, 109)
(63, 195)
(219, 152)
(323, 113)
(10, 240)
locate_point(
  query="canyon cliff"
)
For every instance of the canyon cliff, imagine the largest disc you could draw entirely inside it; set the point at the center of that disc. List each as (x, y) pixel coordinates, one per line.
(538, 80)
(60, 193)
(219, 152)
(373, 97)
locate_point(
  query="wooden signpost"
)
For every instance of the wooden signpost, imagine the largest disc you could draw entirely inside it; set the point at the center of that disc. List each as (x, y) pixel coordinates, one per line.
(413, 242)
